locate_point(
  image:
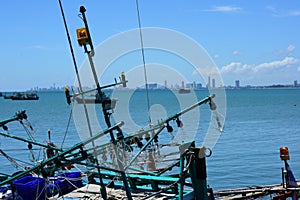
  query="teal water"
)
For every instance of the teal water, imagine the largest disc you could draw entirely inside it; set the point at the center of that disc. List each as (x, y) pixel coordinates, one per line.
(258, 123)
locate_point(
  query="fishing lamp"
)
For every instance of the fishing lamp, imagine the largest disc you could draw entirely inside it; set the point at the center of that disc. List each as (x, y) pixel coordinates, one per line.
(138, 142)
(82, 36)
(82, 9)
(284, 153)
(147, 137)
(179, 123)
(21, 115)
(155, 139)
(123, 79)
(169, 128)
(68, 96)
(212, 105)
(29, 146)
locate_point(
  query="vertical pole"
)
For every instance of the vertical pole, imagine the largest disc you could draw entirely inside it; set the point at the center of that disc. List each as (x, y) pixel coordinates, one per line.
(101, 95)
(183, 149)
(102, 186)
(106, 117)
(181, 183)
(102, 98)
(282, 177)
(198, 173)
(286, 174)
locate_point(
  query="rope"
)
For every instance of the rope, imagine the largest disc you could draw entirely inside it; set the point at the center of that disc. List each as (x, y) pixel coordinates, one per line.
(67, 128)
(75, 66)
(13, 161)
(24, 162)
(27, 131)
(37, 195)
(173, 184)
(144, 61)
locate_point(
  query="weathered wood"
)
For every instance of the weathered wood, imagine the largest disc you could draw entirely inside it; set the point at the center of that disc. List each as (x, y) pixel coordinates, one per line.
(252, 192)
(92, 191)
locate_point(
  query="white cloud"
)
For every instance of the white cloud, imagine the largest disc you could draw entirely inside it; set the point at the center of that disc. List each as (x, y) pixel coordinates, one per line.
(288, 51)
(286, 62)
(294, 13)
(235, 67)
(283, 13)
(273, 10)
(216, 56)
(291, 48)
(279, 71)
(40, 47)
(207, 70)
(224, 9)
(236, 52)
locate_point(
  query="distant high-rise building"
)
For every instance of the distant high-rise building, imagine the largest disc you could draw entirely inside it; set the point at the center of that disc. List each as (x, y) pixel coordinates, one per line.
(295, 83)
(152, 86)
(189, 85)
(199, 86)
(237, 83)
(208, 84)
(182, 84)
(166, 84)
(213, 83)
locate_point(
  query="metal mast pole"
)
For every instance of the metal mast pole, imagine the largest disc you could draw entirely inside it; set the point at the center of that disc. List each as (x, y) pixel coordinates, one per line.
(104, 101)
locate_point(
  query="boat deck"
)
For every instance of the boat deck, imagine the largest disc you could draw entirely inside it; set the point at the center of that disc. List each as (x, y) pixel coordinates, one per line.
(252, 192)
(92, 191)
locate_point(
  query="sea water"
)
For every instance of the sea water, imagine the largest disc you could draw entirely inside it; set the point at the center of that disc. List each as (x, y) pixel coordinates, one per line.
(258, 122)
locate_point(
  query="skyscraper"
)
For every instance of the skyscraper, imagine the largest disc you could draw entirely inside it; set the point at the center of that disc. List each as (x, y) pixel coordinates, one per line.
(213, 83)
(237, 83)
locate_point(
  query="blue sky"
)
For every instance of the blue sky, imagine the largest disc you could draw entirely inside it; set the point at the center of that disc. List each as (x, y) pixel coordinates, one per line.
(255, 41)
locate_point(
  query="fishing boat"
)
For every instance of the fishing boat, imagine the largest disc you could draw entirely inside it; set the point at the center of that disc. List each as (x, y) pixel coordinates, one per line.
(184, 91)
(7, 96)
(24, 96)
(126, 161)
(124, 166)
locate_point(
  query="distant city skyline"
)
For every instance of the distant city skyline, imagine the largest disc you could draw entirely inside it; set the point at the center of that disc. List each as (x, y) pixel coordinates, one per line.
(194, 85)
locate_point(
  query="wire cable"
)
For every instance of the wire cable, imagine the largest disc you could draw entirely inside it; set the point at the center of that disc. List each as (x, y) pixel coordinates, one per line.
(144, 60)
(67, 129)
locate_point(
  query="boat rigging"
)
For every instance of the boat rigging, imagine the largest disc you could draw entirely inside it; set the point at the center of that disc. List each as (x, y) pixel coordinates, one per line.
(129, 160)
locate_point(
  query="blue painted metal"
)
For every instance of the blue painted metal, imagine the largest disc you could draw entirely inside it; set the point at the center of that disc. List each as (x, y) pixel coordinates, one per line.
(198, 173)
(60, 155)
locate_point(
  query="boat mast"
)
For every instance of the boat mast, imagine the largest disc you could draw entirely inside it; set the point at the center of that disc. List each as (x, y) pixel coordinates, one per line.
(102, 187)
(103, 98)
(84, 39)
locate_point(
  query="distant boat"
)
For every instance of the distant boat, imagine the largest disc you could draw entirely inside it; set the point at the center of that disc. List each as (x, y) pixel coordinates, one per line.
(184, 91)
(111, 103)
(24, 96)
(7, 96)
